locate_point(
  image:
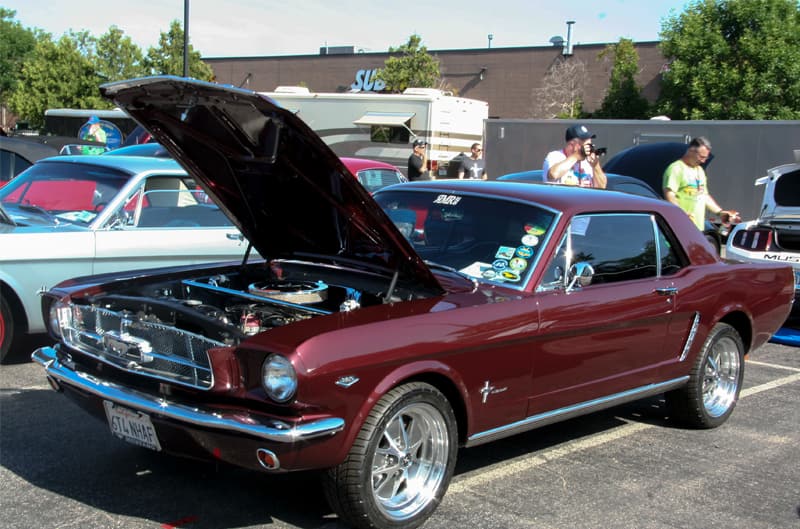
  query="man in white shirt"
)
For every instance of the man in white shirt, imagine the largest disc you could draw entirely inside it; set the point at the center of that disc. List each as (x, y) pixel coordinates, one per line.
(577, 164)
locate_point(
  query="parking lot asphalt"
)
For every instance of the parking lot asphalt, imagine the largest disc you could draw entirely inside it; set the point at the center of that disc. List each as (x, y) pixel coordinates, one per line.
(627, 467)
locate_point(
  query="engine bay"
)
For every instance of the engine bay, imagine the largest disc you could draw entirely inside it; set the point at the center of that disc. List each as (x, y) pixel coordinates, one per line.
(228, 307)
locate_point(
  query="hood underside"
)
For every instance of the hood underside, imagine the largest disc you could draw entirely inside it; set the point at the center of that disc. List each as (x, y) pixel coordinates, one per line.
(781, 201)
(287, 192)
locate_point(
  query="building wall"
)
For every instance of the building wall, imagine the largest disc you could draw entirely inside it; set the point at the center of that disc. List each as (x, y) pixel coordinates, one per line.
(511, 76)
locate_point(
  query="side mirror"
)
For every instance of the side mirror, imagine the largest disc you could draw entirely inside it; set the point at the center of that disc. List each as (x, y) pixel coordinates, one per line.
(579, 276)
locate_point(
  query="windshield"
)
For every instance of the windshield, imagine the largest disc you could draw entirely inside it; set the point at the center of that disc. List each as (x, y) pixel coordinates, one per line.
(63, 191)
(490, 239)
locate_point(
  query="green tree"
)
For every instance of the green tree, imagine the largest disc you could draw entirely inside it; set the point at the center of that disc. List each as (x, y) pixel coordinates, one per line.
(410, 66)
(167, 58)
(732, 59)
(116, 57)
(624, 98)
(16, 45)
(56, 75)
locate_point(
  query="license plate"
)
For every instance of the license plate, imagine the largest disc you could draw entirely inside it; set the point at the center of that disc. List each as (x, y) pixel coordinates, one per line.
(132, 426)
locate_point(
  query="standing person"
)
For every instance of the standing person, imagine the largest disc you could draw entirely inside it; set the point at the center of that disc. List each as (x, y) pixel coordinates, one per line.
(418, 161)
(686, 185)
(577, 163)
(473, 167)
(95, 133)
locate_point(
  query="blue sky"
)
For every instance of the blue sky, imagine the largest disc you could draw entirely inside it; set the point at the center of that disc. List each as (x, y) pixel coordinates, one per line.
(236, 28)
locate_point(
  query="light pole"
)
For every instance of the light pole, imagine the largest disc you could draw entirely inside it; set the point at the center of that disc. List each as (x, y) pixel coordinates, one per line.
(186, 38)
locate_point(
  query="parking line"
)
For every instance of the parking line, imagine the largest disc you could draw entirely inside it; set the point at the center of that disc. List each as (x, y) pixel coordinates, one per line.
(503, 470)
(774, 366)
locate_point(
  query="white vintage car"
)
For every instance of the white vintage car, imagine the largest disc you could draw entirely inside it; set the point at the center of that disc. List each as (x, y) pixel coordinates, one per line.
(775, 235)
(72, 216)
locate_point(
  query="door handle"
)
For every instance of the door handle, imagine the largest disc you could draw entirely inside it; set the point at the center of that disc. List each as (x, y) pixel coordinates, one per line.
(667, 291)
(235, 236)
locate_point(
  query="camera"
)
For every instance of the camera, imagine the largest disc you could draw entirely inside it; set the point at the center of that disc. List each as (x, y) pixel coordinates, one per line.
(599, 151)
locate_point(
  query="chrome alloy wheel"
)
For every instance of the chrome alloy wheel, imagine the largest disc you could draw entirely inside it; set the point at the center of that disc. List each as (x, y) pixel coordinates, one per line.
(410, 461)
(721, 377)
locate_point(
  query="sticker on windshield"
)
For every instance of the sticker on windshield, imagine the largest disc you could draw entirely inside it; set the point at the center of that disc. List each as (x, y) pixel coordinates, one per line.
(500, 264)
(525, 252)
(530, 240)
(505, 252)
(447, 200)
(518, 264)
(534, 229)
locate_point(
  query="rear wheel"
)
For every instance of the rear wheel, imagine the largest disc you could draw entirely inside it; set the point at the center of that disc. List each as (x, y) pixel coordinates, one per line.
(714, 381)
(6, 328)
(400, 464)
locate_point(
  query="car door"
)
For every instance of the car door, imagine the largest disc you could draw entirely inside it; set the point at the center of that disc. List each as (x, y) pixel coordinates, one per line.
(164, 222)
(608, 336)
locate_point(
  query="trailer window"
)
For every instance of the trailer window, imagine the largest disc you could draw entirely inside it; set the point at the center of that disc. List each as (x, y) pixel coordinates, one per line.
(389, 134)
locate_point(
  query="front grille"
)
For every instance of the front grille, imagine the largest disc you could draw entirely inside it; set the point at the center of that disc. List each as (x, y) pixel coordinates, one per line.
(138, 346)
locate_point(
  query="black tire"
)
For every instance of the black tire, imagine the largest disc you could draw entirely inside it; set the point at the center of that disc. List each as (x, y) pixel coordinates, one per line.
(714, 381)
(369, 489)
(7, 328)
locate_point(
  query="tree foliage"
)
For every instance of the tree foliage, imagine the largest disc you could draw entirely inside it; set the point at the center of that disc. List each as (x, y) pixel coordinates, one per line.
(16, 44)
(410, 66)
(117, 57)
(57, 75)
(624, 98)
(167, 57)
(67, 73)
(732, 59)
(562, 89)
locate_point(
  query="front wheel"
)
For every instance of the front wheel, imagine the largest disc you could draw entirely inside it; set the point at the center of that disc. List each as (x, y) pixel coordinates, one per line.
(400, 464)
(714, 381)
(7, 329)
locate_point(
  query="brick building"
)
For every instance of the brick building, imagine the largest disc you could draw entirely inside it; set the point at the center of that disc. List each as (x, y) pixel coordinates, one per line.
(509, 79)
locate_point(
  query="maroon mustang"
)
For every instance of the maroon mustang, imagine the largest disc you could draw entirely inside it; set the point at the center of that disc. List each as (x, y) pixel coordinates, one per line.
(379, 334)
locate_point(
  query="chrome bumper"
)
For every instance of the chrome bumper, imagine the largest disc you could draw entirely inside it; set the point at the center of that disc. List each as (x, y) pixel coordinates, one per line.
(273, 430)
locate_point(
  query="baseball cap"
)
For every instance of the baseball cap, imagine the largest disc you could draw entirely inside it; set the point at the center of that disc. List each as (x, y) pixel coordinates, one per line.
(420, 143)
(579, 131)
(94, 119)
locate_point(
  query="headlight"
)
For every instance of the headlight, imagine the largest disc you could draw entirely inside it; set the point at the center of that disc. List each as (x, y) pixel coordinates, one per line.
(58, 315)
(278, 378)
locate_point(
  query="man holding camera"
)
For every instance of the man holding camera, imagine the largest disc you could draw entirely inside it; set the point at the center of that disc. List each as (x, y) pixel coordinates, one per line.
(578, 163)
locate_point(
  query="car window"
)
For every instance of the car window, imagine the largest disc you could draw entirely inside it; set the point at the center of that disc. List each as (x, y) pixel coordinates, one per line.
(486, 238)
(11, 164)
(64, 191)
(173, 202)
(374, 179)
(619, 247)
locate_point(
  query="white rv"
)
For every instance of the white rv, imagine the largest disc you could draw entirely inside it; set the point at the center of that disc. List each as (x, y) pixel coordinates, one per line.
(383, 126)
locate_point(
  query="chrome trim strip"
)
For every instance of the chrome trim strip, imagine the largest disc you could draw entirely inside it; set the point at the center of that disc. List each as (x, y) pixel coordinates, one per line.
(690, 338)
(278, 431)
(575, 410)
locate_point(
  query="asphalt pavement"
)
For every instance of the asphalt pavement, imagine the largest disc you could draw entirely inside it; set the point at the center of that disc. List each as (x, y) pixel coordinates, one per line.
(628, 467)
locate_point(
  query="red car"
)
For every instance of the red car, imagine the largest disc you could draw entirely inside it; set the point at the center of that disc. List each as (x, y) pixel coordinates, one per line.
(374, 356)
(372, 174)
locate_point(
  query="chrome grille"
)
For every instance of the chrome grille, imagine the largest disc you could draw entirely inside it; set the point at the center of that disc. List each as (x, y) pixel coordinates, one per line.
(139, 346)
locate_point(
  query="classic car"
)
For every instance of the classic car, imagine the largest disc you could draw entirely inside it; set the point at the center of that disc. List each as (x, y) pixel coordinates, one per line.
(77, 215)
(647, 162)
(372, 174)
(616, 182)
(775, 235)
(352, 349)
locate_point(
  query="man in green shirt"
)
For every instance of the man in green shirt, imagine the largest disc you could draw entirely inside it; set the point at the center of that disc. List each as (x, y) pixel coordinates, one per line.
(685, 185)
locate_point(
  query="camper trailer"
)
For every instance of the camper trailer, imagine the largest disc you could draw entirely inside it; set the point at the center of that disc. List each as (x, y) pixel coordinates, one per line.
(383, 126)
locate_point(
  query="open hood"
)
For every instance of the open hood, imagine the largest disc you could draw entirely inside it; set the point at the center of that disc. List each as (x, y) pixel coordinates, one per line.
(287, 192)
(781, 200)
